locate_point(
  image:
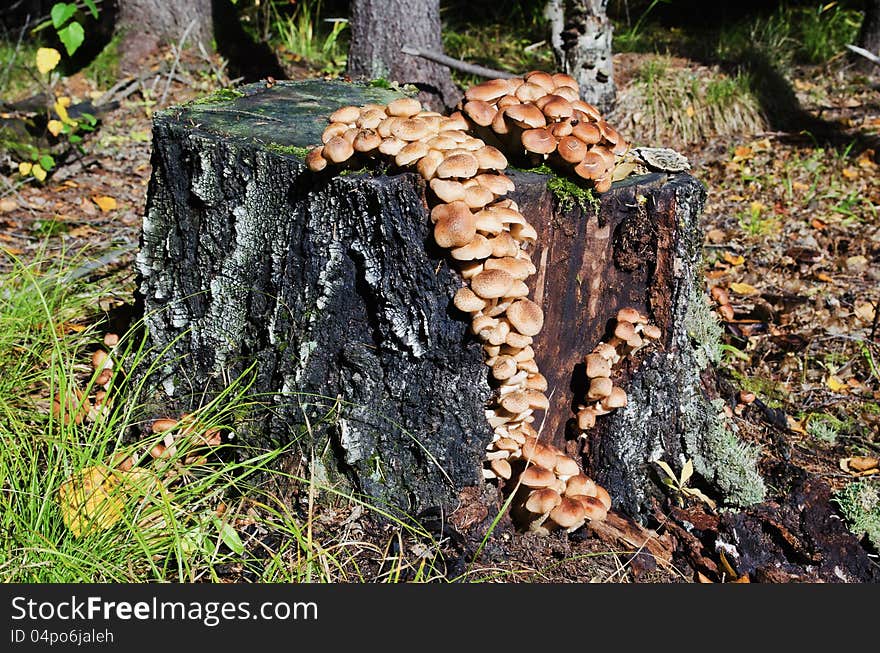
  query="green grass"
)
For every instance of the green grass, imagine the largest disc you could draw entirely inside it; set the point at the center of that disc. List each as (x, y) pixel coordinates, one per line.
(303, 35)
(172, 528)
(104, 68)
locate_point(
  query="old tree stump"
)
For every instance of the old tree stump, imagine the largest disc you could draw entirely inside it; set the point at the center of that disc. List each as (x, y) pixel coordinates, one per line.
(332, 288)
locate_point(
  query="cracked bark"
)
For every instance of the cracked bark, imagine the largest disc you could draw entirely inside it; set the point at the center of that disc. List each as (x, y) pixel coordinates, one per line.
(333, 286)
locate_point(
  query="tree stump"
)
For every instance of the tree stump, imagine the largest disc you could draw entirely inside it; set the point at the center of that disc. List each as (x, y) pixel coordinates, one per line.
(333, 286)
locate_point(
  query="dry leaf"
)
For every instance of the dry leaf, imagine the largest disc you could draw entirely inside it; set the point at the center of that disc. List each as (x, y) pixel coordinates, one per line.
(816, 223)
(863, 463)
(47, 59)
(742, 152)
(823, 276)
(835, 383)
(795, 425)
(733, 259)
(104, 202)
(38, 172)
(850, 173)
(8, 204)
(87, 500)
(743, 289)
(866, 312)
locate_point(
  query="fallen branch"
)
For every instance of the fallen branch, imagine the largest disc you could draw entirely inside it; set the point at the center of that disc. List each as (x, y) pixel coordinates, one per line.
(873, 58)
(455, 64)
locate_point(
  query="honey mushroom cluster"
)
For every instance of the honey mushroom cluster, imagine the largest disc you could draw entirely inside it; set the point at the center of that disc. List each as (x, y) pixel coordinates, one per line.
(631, 330)
(79, 407)
(488, 238)
(541, 117)
(172, 430)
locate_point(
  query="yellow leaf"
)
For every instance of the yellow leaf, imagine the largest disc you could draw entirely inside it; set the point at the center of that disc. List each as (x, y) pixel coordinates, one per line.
(733, 259)
(743, 289)
(55, 127)
(61, 105)
(742, 152)
(686, 472)
(795, 425)
(24, 168)
(86, 501)
(104, 202)
(850, 173)
(38, 172)
(690, 111)
(835, 383)
(47, 59)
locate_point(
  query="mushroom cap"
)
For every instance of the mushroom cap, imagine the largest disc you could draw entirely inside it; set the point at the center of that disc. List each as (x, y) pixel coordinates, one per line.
(603, 496)
(651, 331)
(566, 92)
(490, 223)
(491, 284)
(561, 129)
(562, 79)
(572, 149)
(410, 153)
(542, 500)
(593, 508)
(477, 196)
(498, 183)
(411, 129)
(580, 484)
(528, 92)
(568, 514)
(448, 190)
(557, 108)
(456, 228)
(315, 159)
(566, 466)
(600, 387)
(404, 107)
(625, 330)
(454, 121)
(588, 132)
(348, 115)
(458, 165)
(501, 468)
(370, 118)
(490, 158)
(537, 477)
(542, 79)
(526, 317)
(586, 419)
(482, 113)
(515, 402)
(592, 166)
(524, 233)
(539, 141)
(608, 132)
(478, 248)
(391, 146)
(597, 365)
(536, 381)
(516, 267)
(333, 129)
(504, 368)
(518, 289)
(616, 398)
(163, 424)
(441, 142)
(527, 116)
(630, 314)
(607, 351)
(385, 126)
(467, 301)
(504, 246)
(585, 107)
(537, 400)
(539, 454)
(427, 165)
(366, 140)
(338, 150)
(489, 90)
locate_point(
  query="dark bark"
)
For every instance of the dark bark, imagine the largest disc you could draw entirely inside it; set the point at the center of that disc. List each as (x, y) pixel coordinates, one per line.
(334, 287)
(380, 28)
(145, 24)
(869, 34)
(581, 34)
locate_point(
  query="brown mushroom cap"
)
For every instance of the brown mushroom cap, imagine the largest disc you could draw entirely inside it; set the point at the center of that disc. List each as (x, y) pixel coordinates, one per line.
(562, 79)
(391, 146)
(603, 496)
(592, 166)
(524, 233)
(626, 331)
(458, 165)
(630, 314)
(454, 121)
(580, 484)
(572, 149)
(347, 115)
(489, 90)
(501, 468)
(593, 508)
(526, 317)
(477, 196)
(528, 92)
(566, 92)
(542, 500)
(337, 150)
(568, 514)
(515, 402)
(607, 351)
(467, 301)
(404, 107)
(597, 366)
(447, 190)
(518, 268)
(410, 153)
(588, 132)
(537, 477)
(491, 284)
(427, 165)
(585, 107)
(539, 454)
(490, 158)
(366, 140)
(561, 129)
(504, 368)
(370, 118)
(651, 331)
(566, 466)
(411, 129)
(457, 227)
(615, 399)
(539, 141)
(333, 129)
(478, 248)
(535, 381)
(557, 108)
(586, 418)
(600, 387)
(163, 424)
(315, 159)
(542, 79)
(498, 183)
(482, 113)
(527, 116)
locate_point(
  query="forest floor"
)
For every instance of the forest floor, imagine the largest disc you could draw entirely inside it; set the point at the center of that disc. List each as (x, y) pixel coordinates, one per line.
(792, 263)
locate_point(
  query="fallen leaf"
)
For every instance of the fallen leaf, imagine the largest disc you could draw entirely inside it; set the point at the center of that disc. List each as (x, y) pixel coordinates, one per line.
(104, 202)
(822, 276)
(743, 289)
(795, 425)
(87, 501)
(733, 259)
(856, 263)
(850, 173)
(836, 384)
(816, 223)
(863, 463)
(54, 127)
(866, 312)
(24, 168)
(38, 172)
(742, 152)
(47, 59)
(8, 204)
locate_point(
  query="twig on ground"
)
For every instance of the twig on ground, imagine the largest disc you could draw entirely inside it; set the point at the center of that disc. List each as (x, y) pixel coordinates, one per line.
(455, 64)
(873, 58)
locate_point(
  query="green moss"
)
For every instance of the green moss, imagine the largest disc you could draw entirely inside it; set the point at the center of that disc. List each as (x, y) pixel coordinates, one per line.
(567, 192)
(294, 150)
(220, 95)
(860, 505)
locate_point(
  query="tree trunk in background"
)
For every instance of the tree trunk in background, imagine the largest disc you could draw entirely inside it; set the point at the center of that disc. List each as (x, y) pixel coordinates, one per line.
(380, 28)
(869, 35)
(146, 24)
(580, 34)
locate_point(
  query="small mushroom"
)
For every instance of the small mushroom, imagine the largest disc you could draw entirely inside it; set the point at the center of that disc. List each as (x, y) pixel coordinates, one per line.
(600, 387)
(615, 399)
(467, 301)
(458, 165)
(501, 468)
(568, 514)
(482, 113)
(597, 366)
(347, 115)
(315, 159)
(526, 317)
(490, 284)
(404, 107)
(538, 141)
(337, 150)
